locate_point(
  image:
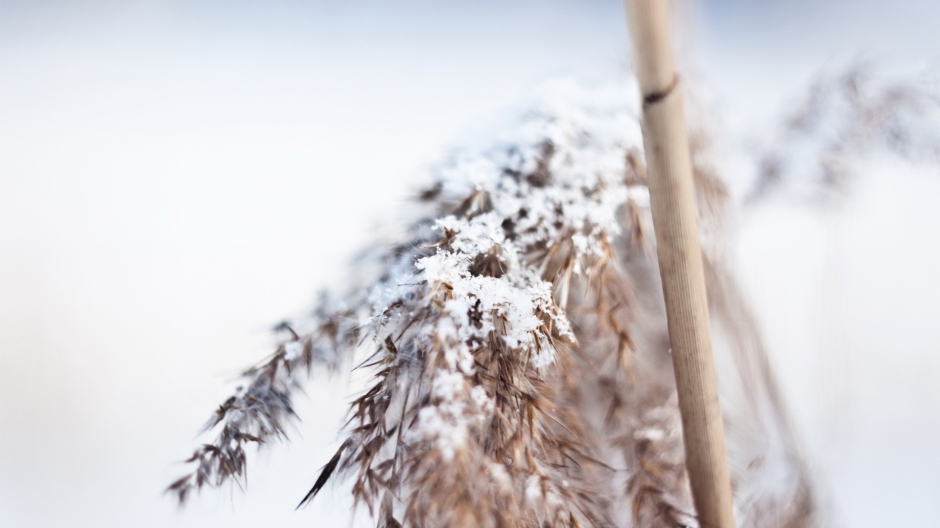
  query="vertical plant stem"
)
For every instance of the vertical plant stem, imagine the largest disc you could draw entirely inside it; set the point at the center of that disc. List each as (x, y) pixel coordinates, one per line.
(680, 261)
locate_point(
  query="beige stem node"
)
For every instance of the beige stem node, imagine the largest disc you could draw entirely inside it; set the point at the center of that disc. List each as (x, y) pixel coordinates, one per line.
(672, 196)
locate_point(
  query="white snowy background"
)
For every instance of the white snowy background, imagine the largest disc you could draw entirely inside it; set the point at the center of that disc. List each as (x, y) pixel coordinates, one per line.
(175, 177)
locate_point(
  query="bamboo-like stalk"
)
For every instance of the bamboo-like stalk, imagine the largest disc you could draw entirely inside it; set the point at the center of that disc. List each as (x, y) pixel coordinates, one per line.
(680, 260)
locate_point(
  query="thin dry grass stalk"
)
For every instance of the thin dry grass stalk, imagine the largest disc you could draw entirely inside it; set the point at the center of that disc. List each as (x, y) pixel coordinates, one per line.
(675, 218)
(517, 343)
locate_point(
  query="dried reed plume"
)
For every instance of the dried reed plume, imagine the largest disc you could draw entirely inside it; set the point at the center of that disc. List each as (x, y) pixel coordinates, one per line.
(517, 337)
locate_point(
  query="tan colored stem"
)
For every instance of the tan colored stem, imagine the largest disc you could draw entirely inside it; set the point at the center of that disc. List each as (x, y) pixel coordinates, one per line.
(680, 261)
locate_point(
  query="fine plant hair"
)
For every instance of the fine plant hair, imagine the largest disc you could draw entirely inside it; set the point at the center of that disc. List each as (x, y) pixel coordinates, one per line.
(516, 335)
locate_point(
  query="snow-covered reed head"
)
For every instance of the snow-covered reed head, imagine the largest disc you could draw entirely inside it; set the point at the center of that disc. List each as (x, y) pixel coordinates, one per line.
(517, 341)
